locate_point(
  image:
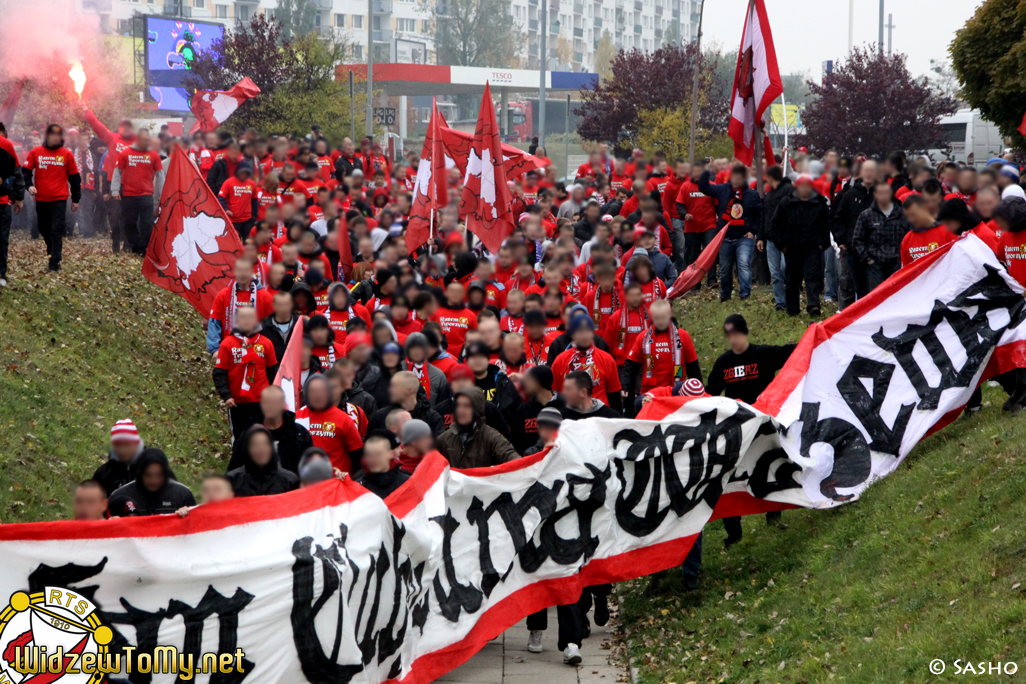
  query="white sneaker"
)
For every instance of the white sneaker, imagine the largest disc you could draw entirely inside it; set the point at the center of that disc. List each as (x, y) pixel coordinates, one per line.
(534, 644)
(3, 282)
(572, 655)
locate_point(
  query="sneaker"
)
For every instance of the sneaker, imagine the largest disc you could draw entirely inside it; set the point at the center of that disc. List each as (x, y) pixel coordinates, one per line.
(3, 282)
(572, 655)
(534, 644)
(601, 612)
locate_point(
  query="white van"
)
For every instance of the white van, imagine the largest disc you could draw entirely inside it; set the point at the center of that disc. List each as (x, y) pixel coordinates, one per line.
(971, 138)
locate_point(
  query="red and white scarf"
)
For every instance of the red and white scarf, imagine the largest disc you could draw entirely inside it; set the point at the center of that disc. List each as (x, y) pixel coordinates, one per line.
(421, 371)
(675, 344)
(596, 304)
(625, 319)
(514, 283)
(250, 359)
(582, 360)
(574, 287)
(534, 353)
(514, 324)
(233, 304)
(353, 413)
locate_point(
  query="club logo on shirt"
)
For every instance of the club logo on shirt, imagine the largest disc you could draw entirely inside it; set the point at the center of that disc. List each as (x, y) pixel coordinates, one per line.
(736, 211)
(325, 429)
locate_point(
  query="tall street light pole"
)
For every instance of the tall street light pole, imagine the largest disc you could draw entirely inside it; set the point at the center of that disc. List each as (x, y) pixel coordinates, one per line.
(542, 63)
(694, 85)
(370, 67)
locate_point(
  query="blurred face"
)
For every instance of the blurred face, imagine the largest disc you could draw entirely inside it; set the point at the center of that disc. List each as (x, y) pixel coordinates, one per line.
(882, 194)
(272, 402)
(377, 456)
(89, 503)
(243, 271)
(478, 363)
(153, 477)
(737, 341)
(142, 139)
(574, 395)
(661, 316)
(919, 216)
(454, 293)
(246, 319)
(868, 172)
(738, 180)
(547, 433)
(260, 448)
(513, 347)
(967, 181)
(215, 489)
(318, 395)
(491, 334)
(464, 411)
(803, 190)
(124, 451)
(986, 203)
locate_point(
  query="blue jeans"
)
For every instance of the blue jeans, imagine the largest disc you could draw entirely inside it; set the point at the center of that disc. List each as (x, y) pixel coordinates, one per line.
(775, 259)
(830, 261)
(738, 251)
(692, 565)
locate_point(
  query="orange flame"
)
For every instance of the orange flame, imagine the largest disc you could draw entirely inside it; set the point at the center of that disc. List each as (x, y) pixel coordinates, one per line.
(78, 76)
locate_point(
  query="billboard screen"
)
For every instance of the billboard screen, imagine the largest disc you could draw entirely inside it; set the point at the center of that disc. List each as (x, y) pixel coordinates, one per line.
(171, 46)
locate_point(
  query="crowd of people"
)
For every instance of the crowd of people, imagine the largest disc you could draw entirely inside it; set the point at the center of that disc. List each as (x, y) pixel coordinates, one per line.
(482, 356)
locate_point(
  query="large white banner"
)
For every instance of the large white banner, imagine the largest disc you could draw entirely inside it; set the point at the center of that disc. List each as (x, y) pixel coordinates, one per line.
(332, 585)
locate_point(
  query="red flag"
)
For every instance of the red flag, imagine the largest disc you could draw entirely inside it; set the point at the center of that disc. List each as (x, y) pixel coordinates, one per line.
(1022, 126)
(431, 192)
(486, 198)
(756, 81)
(514, 160)
(193, 247)
(694, 273)
(213, 107)
(290, 370)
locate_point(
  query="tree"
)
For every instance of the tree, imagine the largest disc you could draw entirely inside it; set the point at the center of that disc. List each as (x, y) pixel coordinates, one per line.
(296, 77)
(872, 105)
(605, 52)
(641, 81)
(478, 33)
(989, 56)
(796, 89)
(297, 17)
(944, 78)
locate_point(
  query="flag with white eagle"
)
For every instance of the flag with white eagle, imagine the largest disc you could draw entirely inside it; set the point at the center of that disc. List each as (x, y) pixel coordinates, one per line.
(213, 107)
(486, 198)
(193, 247)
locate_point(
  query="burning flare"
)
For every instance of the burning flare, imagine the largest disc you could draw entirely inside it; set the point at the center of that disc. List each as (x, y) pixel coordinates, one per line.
(78, 76)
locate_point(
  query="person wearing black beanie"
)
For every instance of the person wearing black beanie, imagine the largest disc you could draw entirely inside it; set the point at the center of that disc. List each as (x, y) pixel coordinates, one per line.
(537, 386)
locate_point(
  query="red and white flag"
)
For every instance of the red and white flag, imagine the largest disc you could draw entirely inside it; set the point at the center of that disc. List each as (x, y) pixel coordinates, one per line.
(290, 372)
(212, 107)
(193, 247)
(756, 81)
(458, 144)
(431, 192)
(486, 198)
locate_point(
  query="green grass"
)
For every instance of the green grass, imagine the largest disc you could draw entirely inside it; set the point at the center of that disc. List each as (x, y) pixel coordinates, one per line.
(82, 349)
(930, 563)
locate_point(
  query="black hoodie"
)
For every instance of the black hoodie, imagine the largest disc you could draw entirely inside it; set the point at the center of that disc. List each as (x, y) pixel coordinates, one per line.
(383, 484)
(254, 480)
(302, 290)
(135, 500)
(114, 474)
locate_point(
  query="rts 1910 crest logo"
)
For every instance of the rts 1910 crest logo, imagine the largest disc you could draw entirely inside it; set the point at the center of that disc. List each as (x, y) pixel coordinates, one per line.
(57, 625)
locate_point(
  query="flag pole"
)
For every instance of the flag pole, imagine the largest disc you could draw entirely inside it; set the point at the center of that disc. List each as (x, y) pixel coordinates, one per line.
(431, 231)
(783, 103)
(694, 85)
(757, 138)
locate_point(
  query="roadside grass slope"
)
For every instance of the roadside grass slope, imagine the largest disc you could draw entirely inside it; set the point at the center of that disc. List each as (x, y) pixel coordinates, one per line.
(930, 563)
(82, 349)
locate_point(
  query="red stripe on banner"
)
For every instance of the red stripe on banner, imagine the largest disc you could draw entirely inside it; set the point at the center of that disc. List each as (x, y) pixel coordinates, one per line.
(402, 501)
(774, 396)
(205, 518)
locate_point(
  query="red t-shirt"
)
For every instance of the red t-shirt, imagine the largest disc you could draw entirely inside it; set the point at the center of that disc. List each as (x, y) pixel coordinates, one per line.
(512, 324)
(918, 244)
(239, 196)
(219, 309)
(264, 200)
(137, 171)
(268, 253)
(603, 372)
(611, 332)
(984, 232)
(455, 323)
(1013, 254)
(335, 432)
(295, 189)
(246, 362)
(52, 168)
(701, 207)
(607, 303)
(662, 371)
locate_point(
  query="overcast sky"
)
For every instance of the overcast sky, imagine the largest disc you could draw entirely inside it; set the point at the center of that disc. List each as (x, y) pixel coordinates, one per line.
(807, 32)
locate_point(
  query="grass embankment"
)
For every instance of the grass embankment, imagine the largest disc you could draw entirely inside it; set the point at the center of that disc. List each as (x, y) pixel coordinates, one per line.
(930, 563)
(81, 349)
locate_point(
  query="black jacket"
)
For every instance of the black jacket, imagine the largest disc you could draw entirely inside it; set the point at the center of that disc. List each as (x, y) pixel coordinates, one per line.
(751, 205)
(358, 396)
(500, 391)
(769, 205)
(290, 441)
(217, 175)
(801, 225)
(344, 167)
(135, 500)
(271, 332)
(493, 416)
(597, 410)
(852, 201)
(372, 381)
(254, 480)
(422, 411)
(114, 473)
(383, 484)
(525, 424)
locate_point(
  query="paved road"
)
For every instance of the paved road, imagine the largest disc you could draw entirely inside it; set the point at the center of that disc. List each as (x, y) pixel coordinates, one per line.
(505, 660)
